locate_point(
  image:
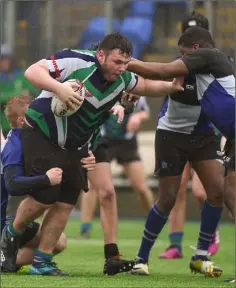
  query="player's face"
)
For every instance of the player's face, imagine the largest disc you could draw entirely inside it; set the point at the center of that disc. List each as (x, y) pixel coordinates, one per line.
(113, 64)
(184, 50)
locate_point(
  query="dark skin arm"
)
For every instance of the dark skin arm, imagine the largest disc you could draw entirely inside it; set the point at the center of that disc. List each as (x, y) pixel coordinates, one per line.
(152, 70)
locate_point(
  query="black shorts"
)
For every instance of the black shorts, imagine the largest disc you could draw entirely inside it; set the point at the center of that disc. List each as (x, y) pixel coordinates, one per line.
(101, 153)
(124, 151)
(229, 154)
(30, 232)
(173, 150)
(40, 155)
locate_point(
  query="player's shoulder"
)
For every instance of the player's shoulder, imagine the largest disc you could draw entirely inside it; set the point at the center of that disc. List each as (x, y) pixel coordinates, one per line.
(13, 139)
(210, 53)
(85, 55)
(12, 150)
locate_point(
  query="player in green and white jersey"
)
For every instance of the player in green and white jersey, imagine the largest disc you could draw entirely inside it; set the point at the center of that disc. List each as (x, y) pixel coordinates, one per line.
(62, 142)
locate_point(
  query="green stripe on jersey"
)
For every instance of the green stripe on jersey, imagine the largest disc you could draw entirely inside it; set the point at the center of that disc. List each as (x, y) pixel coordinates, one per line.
(39, 119)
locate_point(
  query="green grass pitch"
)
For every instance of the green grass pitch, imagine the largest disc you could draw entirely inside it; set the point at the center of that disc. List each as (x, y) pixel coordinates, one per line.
(83, 259)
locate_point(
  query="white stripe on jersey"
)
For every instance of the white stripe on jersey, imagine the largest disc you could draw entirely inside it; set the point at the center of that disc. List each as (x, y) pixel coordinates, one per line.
(67, 66)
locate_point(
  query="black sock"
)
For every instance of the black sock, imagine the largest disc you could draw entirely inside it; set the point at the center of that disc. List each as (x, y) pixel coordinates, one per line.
(111, 250)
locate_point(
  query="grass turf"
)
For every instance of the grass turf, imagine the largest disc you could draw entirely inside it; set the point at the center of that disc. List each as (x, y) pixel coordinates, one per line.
(84, 260)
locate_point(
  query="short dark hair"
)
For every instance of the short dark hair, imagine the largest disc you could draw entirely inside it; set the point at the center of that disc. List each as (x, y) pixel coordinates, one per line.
(116, 41)
(94, 46)
(194, 19)
(196, 35)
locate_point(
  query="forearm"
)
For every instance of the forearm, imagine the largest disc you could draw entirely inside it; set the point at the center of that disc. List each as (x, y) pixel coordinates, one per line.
(18, 185)
(158, 88)
(143, 115)
(39, 76)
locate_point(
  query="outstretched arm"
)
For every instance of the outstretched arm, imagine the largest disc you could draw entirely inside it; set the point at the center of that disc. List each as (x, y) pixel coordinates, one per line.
(152, 70)
(157, 88)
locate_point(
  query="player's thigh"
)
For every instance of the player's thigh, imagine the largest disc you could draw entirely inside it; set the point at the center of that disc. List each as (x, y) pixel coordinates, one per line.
(197, 187)
(229, 156)
(101, 177)
(135, 172)
(170, 154)
(74, 178)
(211, 175)
(184, 180)
(208, 164)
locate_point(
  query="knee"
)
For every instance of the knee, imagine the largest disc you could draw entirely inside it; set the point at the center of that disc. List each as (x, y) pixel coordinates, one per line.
(107, 194)
(140, 189)
(166, 202)
(61, 244)
(63, 206)
(216, 198)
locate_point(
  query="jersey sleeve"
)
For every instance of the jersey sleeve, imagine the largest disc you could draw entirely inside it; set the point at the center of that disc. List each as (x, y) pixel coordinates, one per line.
(12, 153)
(62, 64)
(198, 61)
(130, 80)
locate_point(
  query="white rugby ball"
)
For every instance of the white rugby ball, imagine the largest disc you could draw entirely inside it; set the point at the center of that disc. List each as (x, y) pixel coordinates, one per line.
(60, 109)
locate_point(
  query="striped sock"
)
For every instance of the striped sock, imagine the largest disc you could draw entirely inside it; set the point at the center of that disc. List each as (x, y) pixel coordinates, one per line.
(210, 217)
(40, 257)
(11, 230)
(156, 220)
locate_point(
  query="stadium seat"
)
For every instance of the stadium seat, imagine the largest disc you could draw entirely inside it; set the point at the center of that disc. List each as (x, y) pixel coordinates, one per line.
(139, 31)
(137, 28)
(95, 31)
(142, 9)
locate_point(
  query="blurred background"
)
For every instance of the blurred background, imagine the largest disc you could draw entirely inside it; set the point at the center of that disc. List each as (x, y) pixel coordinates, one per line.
(32, 30)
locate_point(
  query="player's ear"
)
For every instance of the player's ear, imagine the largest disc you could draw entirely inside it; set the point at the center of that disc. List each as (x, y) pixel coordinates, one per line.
(101, 56)
(20, 122)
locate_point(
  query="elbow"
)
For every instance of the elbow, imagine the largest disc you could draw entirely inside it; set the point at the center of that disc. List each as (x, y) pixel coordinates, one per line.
(28, 73)
(13, 189)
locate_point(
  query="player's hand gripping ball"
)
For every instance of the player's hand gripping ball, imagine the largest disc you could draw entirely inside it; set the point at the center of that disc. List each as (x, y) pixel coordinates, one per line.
(60, 109)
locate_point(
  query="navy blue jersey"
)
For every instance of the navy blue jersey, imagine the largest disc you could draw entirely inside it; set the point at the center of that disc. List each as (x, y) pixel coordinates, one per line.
(215, 83)
(13, 181)
(12, 151)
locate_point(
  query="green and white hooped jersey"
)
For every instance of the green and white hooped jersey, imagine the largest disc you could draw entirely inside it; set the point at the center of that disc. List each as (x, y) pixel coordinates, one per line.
(101, 95)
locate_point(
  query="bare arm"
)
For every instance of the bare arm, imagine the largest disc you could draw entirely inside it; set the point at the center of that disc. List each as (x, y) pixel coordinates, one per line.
(38, 75)
(153, 70)
(143, 115)
(157, 88)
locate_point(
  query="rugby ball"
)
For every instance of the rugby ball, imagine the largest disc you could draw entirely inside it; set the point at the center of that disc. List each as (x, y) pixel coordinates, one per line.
(60, 109)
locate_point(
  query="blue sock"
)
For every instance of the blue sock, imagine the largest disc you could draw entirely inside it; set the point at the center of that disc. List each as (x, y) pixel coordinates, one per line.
(210, 217)
(85, 227)
(176, 239)
(40, 257)
(156, 220)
